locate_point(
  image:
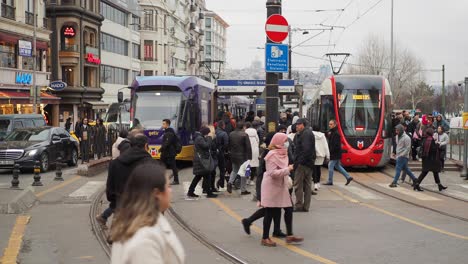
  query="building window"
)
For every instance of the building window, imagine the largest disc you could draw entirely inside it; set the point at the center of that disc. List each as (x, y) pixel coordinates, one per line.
(166, 53)
(136, 51)
(148, 54)
(28, 12)
(8, 9)
(113, 44)
(208, 50)
(114, 14)
(149, 20)
(148, 73)
(68, 76)
(165, 25)
(28, 62)
(135, 23)
(208, 36)
(208, 22)
(7, 55)
(90, 74)
(114, 75)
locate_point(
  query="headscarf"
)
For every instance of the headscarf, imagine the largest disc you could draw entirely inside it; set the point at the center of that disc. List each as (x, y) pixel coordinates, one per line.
(278, 155)
(428, 142)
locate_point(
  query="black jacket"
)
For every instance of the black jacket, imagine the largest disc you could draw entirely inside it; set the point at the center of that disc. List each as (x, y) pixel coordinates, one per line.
(168, 147)
(304, 143)
(334, 144)
(120, 170)
(203, 146)
(431, 162)
(239, 147)
(222, 141)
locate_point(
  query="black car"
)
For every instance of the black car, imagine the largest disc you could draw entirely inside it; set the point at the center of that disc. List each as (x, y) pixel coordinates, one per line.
(25, 146)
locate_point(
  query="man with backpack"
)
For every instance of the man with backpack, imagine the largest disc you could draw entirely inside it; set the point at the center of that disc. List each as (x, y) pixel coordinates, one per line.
(170, 147)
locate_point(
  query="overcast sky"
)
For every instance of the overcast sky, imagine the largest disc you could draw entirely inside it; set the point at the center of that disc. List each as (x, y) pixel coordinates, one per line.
(435, 31)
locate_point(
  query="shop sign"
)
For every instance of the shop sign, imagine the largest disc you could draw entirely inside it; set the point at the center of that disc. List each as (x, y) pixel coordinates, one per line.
(69, 32)
(91, 59)
(23, 78)
(58, 85)
(25, 48)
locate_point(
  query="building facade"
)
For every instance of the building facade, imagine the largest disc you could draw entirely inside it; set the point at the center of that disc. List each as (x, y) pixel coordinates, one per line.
(215, 44)
(75, 56)
(171, 37)
(120, 47)
(17, 58)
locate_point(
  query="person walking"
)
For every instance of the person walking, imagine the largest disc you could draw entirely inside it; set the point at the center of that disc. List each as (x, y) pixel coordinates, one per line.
(203, 145)
(255, 147)
(99, 138)
(430, 160)
(304, 143)
(401, 155)
(322, 153)
(275, 189)
(334, 145)
(121, 144)
(168, 150)
(442, 140)
(240, 152)
(414, 129)
(140, 232)
(222, 143)
(120, 170)
(84, 136)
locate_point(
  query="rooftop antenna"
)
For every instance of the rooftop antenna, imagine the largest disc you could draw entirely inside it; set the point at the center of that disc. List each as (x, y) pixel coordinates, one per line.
(330, 55)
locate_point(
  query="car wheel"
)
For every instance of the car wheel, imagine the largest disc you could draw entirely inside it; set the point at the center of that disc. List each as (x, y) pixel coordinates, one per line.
(74, 158)
(44, 162)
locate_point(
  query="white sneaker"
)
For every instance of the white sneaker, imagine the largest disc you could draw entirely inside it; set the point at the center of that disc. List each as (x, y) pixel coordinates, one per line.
(316, 186)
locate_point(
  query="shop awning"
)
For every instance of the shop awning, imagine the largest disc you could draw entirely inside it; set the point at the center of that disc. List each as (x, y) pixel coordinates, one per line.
(22, 97)
(97, 105)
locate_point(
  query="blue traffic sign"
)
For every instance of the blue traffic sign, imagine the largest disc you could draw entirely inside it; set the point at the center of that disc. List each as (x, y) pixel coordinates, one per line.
(276, 57)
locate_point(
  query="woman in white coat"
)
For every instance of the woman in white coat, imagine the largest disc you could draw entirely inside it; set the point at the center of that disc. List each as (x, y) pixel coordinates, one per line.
(140, 232)
(321, 152)
(255, 145)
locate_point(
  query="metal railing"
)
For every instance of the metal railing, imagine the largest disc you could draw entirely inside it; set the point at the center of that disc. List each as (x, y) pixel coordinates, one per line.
(8, 11)
(456, 143)
(29, 18)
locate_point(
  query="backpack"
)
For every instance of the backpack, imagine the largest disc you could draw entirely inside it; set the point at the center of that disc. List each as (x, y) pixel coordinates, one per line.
(178, 145)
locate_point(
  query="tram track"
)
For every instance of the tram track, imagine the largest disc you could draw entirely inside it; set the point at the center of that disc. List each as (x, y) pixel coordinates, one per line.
(409, 202)
(102, 236)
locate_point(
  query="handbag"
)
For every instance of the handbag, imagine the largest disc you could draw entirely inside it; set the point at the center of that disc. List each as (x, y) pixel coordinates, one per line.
(289, 183)
(207, 164)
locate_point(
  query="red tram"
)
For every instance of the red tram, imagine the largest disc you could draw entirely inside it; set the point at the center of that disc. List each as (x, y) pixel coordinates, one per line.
(361, 105)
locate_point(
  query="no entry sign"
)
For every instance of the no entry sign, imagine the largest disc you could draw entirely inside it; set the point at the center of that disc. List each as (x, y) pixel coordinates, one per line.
(277, 28)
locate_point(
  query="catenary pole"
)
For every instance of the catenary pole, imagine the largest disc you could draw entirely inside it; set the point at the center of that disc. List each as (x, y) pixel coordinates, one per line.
(271, 89)
(464, 172)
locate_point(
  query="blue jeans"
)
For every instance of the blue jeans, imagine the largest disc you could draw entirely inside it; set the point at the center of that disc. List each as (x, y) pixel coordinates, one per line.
(335, 164)
(402, 165)
(107, 213)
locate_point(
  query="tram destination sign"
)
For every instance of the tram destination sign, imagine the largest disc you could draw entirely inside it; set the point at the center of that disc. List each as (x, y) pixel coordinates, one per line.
(252, 86)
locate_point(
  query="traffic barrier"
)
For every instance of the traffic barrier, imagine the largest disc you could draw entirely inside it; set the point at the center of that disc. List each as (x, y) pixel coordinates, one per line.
(58, 170)
(15, 180)
(37, 175)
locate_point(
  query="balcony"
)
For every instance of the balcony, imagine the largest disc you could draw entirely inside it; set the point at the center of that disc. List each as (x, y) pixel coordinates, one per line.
(193, 61)
(201, 16)
(68, 2)
(45, 22)
(8, 11)
(192, 26)
(70, 48)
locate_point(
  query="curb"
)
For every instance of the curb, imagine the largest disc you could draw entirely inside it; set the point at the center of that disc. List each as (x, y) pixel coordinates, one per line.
(20, 203)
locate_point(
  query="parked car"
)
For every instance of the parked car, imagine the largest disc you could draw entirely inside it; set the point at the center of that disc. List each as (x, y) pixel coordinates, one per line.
(26, 145)
(9, 123)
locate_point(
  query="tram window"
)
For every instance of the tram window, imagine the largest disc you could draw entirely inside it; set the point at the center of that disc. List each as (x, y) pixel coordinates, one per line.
(327, 111)
(388, 118)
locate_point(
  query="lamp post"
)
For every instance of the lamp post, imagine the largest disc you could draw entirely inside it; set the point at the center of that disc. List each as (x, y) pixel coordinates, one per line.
(464, 172)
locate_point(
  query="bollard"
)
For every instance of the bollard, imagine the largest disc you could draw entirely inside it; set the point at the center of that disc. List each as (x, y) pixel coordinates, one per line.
(15, 181)
(37, 175)
(58, 170)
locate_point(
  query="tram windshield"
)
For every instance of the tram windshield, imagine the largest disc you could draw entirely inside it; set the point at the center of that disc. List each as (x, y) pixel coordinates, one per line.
(152, 107)
(359, 108)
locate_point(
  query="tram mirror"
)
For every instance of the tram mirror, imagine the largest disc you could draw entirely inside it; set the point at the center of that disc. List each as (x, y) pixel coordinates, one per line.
(120, 97)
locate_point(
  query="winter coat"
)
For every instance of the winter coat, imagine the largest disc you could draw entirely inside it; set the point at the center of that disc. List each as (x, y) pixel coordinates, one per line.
(203, 147)
(119, 146)
(443, 123)
(157, 244)
(304, 143)
(321, 148)
(99, 138)
(239, 147)
(168, 147)
(120, 170)
(334, 144)
(254, 146)
(222, 140)
(274, 190)
(432, 161)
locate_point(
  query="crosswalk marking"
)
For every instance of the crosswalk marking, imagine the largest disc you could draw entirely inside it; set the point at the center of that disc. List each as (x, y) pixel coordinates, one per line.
(364, 194)
(87, 190)
(417, 195)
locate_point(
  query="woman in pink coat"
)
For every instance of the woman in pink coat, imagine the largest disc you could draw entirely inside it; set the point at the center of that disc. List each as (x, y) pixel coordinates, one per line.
(275, 189)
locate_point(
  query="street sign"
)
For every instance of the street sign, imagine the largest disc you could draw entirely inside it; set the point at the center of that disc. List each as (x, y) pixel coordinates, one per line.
(277, 28)
(251, 86)
(58, 85)
(276, 57)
